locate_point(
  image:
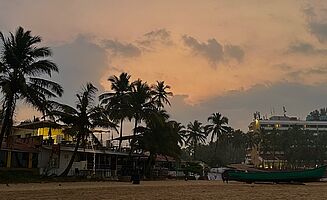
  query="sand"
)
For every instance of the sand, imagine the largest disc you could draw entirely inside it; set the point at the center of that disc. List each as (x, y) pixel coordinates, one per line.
(162, 190)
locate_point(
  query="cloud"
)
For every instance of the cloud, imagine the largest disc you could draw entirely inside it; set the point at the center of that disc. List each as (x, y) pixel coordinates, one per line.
(305, 48)
(317, 73)
(319, 29)
(213, 51)
(283, 66)
(122, 49)
(79, 61)
(316, 20)
(239, 106)
(151, 40)
(234, 51)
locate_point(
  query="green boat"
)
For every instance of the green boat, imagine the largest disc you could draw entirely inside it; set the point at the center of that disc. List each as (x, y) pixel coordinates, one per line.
(308, 175)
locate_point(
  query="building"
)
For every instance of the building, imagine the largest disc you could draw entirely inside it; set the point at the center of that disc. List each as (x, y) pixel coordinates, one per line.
(279, 123)
(20, 154)
(49, 130)
(43, 148)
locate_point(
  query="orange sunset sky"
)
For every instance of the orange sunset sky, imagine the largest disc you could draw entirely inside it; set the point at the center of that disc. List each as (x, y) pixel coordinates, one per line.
(230, 56)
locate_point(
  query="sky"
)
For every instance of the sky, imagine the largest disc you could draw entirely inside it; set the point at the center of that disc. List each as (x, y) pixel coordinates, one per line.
(235, 57)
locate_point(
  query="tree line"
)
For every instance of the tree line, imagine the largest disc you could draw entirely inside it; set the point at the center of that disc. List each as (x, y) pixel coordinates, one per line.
(296, 147)
(25, 73)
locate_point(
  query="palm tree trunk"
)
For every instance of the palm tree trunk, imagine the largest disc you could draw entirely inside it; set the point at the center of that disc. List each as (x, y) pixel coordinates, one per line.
(150, 161)
(194, 150)
(8, 109)
(121, 134)
(70, 164)
(134, 137)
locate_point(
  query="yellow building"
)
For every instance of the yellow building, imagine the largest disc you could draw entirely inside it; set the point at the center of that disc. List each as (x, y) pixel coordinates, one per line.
(47, 129)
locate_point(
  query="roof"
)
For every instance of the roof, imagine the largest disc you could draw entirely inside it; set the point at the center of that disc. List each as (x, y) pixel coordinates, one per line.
(40, 124)
(165, 158)
(22, 145)
(71, 148)
(127, 137)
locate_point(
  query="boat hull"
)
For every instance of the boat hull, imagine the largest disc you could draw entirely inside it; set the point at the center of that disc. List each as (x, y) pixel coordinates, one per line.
(286, 176)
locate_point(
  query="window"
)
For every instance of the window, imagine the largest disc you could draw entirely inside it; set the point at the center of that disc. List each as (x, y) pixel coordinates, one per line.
(19, 160)
(34, 160)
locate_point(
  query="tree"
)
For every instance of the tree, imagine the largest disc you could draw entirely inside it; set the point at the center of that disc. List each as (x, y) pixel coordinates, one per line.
(117, 102)
(158, 137)
(22, 64)
(195, 135)
(160, 94)
(82, 119)
(141, 105)
(179, 130)
(218, 126)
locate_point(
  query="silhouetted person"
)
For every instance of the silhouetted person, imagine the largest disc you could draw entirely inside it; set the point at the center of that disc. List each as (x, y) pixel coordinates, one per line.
(76, 172)
(136, 177)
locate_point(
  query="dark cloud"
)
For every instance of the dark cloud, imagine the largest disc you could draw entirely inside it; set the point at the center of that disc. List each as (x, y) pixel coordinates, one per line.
(283, 66)
(308, 72)
(239, 106)
(319, 29)
(305, 48)
(234, 51)
(213, 51)
(79, 62)
(151, 40)
(161, 35)
(316, 19)
(123, 49)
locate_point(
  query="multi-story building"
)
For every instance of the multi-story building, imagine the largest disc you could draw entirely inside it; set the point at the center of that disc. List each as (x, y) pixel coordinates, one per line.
(278, 123)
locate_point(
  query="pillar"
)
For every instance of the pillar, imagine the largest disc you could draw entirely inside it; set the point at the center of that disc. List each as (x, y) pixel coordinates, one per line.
(30, 160)
(8, 159)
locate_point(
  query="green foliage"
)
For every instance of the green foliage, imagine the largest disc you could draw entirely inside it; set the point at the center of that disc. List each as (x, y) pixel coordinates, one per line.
(82, 119)
(134, 100)
(218, 127)
(299, 147)
(229, 150)
(22, 67)
(195, 135)
(317, 115)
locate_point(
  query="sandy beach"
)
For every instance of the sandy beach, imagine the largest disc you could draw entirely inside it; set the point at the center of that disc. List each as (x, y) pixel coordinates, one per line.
(162, 190)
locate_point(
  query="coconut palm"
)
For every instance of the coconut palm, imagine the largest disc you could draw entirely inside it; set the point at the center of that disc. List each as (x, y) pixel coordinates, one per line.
(117, 101)
(195, 135)
(158, 138)
(22, 64)
(180, 130)
(160, 94)
(82, 119)
(141, 105)
(218, 126)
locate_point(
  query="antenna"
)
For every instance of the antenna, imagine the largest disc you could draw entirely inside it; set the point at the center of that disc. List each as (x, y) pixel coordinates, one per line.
(284, 110)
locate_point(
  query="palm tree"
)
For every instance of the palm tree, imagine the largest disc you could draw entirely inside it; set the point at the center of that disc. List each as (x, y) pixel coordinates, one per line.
(160, 94)
(179, 130)
(158, 138)
(117, 102)
(195, 135)
(218, 126)
(141, 106)
(82, 119)
(22, 64)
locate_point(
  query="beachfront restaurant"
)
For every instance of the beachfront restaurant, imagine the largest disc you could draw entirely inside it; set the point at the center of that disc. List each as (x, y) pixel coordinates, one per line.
(99, 162)
(20, 154)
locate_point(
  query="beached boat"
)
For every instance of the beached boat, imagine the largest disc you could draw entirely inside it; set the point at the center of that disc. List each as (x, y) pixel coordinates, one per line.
(308, 175)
